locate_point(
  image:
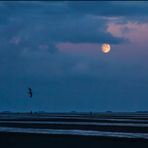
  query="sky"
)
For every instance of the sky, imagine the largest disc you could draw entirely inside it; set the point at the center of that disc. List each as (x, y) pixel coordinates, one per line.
(55, 48)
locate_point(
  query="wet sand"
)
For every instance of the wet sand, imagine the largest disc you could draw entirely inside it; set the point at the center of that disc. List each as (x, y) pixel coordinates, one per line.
(12, 139)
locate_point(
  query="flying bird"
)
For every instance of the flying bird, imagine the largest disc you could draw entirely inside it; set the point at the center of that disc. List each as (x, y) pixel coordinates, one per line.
(30, 92)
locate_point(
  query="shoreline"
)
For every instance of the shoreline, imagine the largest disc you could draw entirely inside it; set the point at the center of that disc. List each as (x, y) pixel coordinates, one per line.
(69, 131)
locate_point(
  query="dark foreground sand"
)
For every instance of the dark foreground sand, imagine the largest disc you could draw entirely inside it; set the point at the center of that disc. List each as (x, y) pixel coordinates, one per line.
(20, 140)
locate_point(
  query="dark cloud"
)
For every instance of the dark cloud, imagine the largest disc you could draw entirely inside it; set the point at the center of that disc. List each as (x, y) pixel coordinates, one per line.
(43, 22)
(111, 9)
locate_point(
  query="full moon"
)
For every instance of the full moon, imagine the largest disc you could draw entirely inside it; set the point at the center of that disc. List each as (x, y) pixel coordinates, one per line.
(106, 48)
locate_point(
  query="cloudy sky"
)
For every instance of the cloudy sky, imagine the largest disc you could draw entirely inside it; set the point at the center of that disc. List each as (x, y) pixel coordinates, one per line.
(55, 48)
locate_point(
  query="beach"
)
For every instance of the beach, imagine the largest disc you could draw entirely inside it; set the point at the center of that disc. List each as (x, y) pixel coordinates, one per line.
(73, 131)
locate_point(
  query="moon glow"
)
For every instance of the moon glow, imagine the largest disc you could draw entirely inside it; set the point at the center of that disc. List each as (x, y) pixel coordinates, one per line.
(106, 48)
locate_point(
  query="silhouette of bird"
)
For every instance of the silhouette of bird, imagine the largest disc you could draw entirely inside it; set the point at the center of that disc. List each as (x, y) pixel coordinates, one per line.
(30, 92)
